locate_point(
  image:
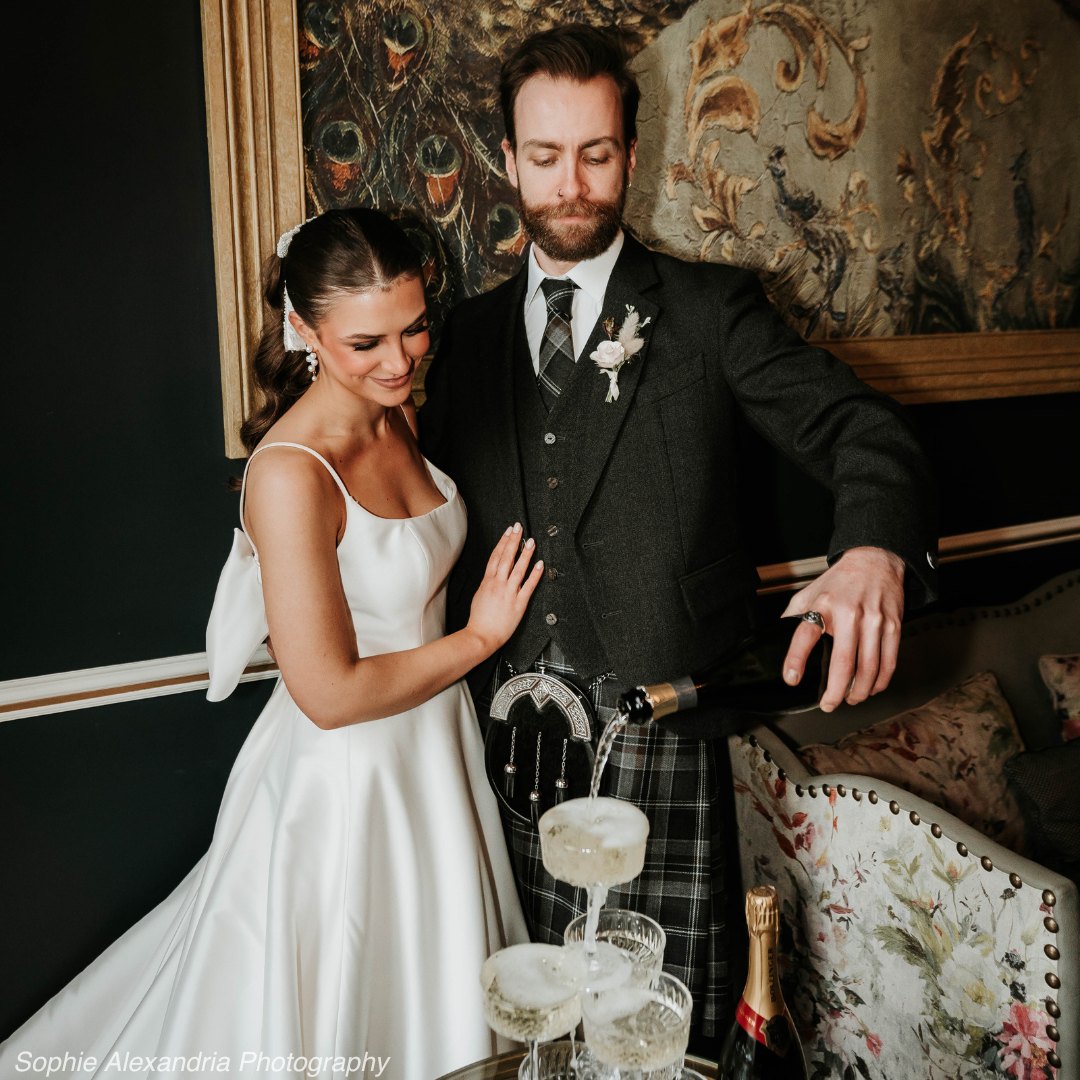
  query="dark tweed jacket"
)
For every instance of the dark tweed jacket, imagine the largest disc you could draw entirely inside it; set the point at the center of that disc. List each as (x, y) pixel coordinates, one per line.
(650, 508)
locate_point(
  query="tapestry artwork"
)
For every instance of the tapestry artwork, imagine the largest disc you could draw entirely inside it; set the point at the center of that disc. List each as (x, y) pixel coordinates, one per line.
(887, 169)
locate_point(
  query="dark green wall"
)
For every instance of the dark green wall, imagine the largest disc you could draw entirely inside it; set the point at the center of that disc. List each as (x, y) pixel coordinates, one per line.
(998, 462)
(116, 517)
(115, 513)
(117, 482)
(103, 811)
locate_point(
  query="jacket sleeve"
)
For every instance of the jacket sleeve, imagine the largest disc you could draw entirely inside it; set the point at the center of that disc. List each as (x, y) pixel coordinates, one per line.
(848, 436)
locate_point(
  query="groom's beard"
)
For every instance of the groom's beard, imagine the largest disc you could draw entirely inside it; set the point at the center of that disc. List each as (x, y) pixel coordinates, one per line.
(573, 243)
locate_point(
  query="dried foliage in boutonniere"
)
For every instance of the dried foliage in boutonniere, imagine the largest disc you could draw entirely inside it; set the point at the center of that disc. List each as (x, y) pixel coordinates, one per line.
(620, 347)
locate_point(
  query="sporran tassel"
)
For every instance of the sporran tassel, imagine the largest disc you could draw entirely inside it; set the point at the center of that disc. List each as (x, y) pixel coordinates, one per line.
(510, 768)
(534, 795)
(561, 783)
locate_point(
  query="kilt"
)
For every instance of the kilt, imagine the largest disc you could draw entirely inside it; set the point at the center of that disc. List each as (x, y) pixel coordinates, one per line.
(691, 871)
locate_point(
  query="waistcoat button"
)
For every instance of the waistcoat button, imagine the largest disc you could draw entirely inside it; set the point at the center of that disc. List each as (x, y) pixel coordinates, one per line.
(552, 482)
(549, 438)
(553, 530)
(552, 573)
(551, 618)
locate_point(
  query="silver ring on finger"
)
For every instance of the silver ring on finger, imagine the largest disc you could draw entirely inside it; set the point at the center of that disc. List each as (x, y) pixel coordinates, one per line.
(814, 617)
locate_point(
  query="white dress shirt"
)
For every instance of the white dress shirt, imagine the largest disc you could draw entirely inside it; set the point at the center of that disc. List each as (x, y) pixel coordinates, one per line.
(591, 277)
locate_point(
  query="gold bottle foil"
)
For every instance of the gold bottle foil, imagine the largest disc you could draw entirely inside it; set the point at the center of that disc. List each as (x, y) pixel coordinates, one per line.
(662, 698)
(671, 697)
(762, 1011)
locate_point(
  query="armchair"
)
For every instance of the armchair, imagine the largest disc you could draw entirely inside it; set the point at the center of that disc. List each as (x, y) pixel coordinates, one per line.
(919, 947)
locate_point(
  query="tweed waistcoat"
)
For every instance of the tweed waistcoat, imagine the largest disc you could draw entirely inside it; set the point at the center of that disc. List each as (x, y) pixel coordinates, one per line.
(547, 443)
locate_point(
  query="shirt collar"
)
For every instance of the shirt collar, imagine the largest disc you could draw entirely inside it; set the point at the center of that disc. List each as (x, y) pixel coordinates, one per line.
(590, 275)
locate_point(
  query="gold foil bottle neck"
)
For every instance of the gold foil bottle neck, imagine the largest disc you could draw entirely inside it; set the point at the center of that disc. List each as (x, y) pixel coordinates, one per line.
(762, 997)
(663, 699)
(763, 911)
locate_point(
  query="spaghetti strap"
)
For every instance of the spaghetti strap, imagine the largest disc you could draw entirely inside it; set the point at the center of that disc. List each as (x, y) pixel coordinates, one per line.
(295, 446)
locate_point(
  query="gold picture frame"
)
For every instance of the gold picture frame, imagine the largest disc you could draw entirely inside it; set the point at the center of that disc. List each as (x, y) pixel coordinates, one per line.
(251, 64)
(252, 76)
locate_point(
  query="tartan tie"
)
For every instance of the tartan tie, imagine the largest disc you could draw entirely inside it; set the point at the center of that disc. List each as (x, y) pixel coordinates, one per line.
(557, 345)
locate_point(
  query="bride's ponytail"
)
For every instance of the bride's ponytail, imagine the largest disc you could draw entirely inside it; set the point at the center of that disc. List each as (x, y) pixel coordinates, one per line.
(280, 375)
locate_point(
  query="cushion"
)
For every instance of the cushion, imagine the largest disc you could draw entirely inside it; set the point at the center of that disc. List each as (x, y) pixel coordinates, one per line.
(1062, 677)
(950, 751)
(1045, 785)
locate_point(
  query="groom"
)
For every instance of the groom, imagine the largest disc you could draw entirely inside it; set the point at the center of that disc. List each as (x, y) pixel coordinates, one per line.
(626, 477)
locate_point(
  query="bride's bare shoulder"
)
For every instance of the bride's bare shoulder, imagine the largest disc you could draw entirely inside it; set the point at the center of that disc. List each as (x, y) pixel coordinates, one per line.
(287, 480)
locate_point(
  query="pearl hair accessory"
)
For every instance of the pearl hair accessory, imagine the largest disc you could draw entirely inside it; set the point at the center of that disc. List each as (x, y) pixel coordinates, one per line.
(293, 341)
(285, 239)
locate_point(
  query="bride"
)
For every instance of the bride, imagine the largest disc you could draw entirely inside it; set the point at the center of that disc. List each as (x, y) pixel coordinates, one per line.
(357, 876)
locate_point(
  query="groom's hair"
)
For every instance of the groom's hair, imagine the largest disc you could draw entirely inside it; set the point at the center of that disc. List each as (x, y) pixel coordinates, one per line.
(573, 51)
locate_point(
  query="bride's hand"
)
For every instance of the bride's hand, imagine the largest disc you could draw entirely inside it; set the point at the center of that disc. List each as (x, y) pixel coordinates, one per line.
(500, 602)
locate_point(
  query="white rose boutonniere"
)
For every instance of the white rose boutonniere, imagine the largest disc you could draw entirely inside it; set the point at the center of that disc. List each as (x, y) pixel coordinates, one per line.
(620, 347)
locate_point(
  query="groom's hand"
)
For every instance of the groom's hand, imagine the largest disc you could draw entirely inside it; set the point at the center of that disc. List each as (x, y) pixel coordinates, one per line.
(861, 600)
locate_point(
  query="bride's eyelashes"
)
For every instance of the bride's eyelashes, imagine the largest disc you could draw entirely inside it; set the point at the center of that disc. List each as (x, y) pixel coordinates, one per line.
(412, 331)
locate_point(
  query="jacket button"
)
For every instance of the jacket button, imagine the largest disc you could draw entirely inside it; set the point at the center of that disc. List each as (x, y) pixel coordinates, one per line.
(551, 618)
(552, 482)
(552, 573)
(549, 438)
(553, 530)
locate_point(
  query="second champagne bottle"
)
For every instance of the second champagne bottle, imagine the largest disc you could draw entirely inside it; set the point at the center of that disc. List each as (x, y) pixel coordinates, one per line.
(762, 1043)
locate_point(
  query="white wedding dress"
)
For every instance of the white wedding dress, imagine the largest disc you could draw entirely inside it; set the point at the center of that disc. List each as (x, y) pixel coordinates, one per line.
(356, 880)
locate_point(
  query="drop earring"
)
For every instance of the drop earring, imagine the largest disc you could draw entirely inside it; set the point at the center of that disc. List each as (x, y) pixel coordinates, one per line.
(312, 361)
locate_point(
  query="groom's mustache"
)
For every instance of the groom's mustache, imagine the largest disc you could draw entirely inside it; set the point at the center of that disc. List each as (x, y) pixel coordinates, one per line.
(577, 208)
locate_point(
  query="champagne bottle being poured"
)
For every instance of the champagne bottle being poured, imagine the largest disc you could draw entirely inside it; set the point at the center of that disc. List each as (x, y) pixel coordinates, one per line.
(743, 687)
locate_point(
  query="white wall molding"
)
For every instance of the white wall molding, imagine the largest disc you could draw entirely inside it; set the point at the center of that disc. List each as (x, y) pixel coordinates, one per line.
(43, 695)
(84, 689)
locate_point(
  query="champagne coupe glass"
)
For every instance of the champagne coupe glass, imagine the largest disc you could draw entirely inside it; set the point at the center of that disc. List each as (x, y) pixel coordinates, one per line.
(595, 843)
(640, 1031)
(642, 939)
(531, 994)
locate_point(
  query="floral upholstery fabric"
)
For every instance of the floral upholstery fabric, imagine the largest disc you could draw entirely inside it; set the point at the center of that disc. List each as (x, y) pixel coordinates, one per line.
(951, 751)
(905, 959)
(1062, 677)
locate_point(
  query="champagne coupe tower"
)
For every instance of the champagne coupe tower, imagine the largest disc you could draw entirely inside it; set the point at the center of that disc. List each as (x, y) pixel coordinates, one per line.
(637, 1016)
(637, 1019)
(596, 843)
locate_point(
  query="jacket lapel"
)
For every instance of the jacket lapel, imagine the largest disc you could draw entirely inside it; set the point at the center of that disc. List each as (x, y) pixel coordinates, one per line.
(597, 421)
